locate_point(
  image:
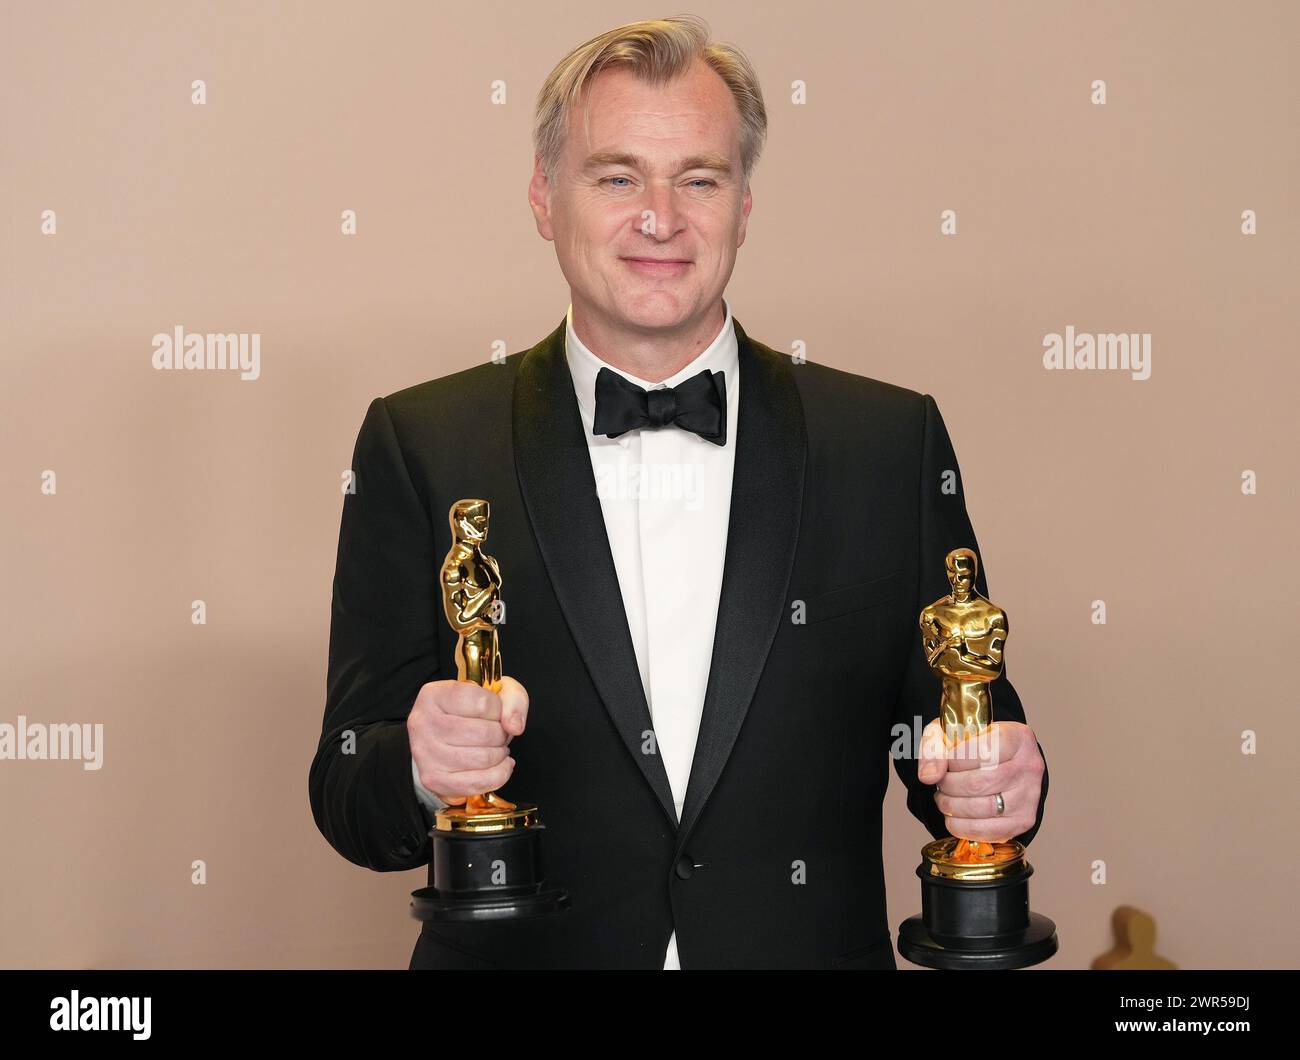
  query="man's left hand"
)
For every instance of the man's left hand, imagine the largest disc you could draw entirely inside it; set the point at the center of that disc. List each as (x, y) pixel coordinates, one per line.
(1004, 759)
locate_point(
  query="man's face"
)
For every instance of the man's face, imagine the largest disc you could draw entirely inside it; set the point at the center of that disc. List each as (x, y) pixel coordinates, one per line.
(655, 174)
(473, 524)
(961, 579)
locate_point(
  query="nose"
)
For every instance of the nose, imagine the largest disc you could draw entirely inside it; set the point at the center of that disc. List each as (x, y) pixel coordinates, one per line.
(663, 220)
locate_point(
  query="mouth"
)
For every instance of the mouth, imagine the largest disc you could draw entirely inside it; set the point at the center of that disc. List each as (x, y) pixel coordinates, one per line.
(668, 267)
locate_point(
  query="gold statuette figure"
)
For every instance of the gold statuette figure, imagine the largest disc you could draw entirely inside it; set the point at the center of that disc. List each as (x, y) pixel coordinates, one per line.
(471, 588)
(964, 635)
(485, 858)
(974, 895)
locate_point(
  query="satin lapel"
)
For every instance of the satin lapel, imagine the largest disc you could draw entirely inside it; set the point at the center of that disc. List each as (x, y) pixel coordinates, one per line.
(559, 493)
(763, 529)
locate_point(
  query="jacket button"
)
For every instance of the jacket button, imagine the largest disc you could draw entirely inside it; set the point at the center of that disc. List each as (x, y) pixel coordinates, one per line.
(684, 868)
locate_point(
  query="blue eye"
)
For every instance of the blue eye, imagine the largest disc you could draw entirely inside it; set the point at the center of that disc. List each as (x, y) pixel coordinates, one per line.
(696, 180)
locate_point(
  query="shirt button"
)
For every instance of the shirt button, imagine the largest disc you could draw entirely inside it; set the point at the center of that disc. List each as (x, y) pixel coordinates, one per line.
(684, 868)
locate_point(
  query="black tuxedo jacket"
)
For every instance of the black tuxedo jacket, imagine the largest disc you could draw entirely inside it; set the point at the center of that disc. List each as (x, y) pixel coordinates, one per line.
(837, 501)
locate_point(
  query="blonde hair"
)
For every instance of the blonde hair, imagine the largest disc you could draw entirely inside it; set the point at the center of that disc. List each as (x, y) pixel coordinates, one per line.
(656, 51)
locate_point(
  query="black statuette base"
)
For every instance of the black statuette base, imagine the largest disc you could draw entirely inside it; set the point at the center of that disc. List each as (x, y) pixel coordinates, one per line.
(475, 876)
(968, 924)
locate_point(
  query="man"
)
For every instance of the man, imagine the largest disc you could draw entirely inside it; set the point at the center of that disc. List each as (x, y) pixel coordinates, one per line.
(711, 594)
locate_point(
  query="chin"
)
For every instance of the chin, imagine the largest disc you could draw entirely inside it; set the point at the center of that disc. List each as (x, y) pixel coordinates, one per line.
(654, 308)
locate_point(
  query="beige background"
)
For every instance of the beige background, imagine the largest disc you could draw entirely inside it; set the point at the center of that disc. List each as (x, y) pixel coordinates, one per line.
(195, 485)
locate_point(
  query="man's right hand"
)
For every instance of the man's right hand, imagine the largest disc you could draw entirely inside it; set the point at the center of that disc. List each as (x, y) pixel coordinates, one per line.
(460, 736)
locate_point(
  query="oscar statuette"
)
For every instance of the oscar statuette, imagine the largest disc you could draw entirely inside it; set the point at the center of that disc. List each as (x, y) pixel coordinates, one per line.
(486, 862)
(974, 894)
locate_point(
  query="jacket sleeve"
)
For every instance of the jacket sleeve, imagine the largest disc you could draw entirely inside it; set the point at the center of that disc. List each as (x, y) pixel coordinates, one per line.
(944, 525)
(382, 649)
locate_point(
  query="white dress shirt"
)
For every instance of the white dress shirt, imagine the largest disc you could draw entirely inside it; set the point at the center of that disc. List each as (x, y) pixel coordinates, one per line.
(666, 497)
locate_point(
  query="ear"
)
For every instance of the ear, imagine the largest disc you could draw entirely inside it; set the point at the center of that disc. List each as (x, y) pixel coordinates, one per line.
(745, 205)
(539, 198)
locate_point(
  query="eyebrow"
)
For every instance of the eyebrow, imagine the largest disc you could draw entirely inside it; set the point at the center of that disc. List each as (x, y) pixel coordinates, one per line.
(707, 160)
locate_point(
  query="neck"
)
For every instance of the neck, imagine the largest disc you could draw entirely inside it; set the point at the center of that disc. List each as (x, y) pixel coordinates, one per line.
(652, 354)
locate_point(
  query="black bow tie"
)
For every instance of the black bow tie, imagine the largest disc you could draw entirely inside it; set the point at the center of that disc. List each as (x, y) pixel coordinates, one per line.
(697, 404)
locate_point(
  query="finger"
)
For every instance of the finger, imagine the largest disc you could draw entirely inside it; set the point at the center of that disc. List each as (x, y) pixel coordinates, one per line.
(975, 781)
(987, 830)
(976, 817)
(447, 758)
(932, 764)
(468, 732)
(514, 706)
(468, 700)
(983, 750)
(977, 807)
(458, 785)
(1001, 742)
